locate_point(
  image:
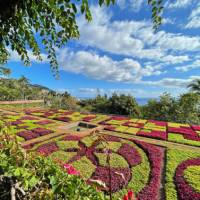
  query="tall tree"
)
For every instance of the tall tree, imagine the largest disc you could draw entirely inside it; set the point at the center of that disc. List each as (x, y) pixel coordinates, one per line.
(195, 86)
(26, 23)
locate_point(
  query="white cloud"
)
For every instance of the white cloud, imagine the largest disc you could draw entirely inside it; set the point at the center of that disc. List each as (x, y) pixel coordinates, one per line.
(179, 3)
(168, 21)
(171, 82)
(194, 19)
(14, 57)
(134, 38)
(103, 67)
(185, 68)
(134, 5)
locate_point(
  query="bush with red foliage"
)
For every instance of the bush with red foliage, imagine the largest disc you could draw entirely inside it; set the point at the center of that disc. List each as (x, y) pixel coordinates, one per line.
(185, 191)
(47, 149)
(130, 154)
(155, 155)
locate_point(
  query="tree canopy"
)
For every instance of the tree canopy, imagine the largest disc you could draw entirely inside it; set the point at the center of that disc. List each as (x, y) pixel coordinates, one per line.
(27, 23)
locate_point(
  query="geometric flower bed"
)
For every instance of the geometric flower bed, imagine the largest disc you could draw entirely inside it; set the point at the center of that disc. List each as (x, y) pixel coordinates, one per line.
(167, 131)
(89, 156)
(133, 165)
(27, 127)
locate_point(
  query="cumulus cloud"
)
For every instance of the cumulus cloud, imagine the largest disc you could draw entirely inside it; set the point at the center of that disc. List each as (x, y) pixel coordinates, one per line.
(135, 38)
(179, 3)
(14, 57)
(98, 67)
(194, 18)
(185, 68)
(134, 5)
(171, 82)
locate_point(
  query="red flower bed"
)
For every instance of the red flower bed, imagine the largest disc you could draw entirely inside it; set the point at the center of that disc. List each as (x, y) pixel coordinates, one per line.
(117, 182)
(46, 115)
(185, 191)
(196, 128)
(135, 125)
(64, 119)
(47, 149)
(28, 135)
(184, 131)
(21, 127)
(44, 122)
(153, 134)
(158, 123)
(187, 133)
(16, 122)
(28, 118)
(130, 154)
(155, 155)
(104, 121)
(111, 138)
(192, 137)
(109, 128)
(71, 138)
(89, 118)
(42, 131)
(119, 118)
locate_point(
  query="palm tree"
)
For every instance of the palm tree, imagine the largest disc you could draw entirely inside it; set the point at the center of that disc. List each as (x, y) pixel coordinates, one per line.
(195, 86)
(4, 71)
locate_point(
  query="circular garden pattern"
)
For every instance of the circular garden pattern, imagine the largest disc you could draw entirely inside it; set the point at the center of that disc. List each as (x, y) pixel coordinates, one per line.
(187, 179)
(113, 164)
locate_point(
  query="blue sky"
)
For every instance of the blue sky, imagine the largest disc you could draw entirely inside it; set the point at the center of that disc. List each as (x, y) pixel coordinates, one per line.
(119, 52)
